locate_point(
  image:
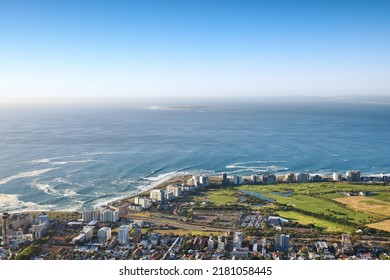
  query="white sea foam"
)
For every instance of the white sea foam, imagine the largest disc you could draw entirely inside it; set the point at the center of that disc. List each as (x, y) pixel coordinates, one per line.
(99, 153)
(27, 174)
(155, 181)
(48, 189)
(69, 193)
(253, 165)
(62, 180)
(123, 182)
(259, 161)
(11, 203)
(161, 176)
(245, 167)
(48, 160)
(75, 205)
(72, 161)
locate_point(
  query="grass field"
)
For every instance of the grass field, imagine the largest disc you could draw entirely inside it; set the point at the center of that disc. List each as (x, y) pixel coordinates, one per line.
(383, 225)
(323, 198)
(221, 197)
(302, 200)
(306, 220)
(367, 204)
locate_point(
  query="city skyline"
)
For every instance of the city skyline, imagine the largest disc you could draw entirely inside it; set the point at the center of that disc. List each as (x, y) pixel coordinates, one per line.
(202, 49)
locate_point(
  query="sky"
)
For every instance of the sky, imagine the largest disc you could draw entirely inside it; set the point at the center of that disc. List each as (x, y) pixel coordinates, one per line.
(203, 48)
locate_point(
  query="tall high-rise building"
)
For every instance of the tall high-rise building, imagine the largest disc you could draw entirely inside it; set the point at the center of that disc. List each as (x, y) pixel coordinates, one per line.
(123, 234)
(337, 177)
(143, 201)
(5, 217)
(92, 215)
(157, 195)
(282, 242)
(176, 189)
(289, 178)
(104, 234)
(237, 180)
(269, 179)
(108, 215)
(353, 176)
(137, 236)
(237, 239)
(224, 178)
(204, 180)
(254, 179)
(303, 177)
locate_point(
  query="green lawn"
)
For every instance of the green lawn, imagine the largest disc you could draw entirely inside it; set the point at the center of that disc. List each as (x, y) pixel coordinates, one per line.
(218, 196)
(302, 198)
(306, 220)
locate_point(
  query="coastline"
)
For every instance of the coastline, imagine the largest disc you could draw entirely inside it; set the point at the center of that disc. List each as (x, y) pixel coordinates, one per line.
(171, 178)
(143, 191)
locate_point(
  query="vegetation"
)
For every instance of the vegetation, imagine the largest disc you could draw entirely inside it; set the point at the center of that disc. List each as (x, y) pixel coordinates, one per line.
(322, 204)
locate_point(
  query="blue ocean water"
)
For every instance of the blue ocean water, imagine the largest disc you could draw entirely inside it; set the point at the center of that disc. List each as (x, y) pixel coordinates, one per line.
(77, 156)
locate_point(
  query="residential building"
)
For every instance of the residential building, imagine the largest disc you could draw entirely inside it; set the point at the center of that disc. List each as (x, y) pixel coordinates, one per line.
(221, 246)
(157, 195)
(282, 242)
(92, 215)
(107, 215)
(316, 178)
(154, 238)
(289, 178)
(88, 232)
(137, 236)
(269, 179)
(254, 179)
(176, 189)
(224, 178)
(123, 234)
(240, 253)
(143, 201)
(169, 196)
(104, 234)
(237, 180)
(337, 177)
(353, 176)
(303, 177)
(204, 180)
(237, 239)
(40, 225)
(210, 243)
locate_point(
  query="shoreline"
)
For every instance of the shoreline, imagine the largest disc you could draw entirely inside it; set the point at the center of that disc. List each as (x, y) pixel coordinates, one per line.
(173, 178)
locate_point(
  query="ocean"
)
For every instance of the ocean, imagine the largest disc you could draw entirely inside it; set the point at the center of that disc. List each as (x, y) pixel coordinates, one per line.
(73, 157)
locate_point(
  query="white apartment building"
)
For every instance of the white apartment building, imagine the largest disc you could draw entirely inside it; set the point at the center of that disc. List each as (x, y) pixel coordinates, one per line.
(143, 201)
(104, 234)
(157, 195)
(123, 234)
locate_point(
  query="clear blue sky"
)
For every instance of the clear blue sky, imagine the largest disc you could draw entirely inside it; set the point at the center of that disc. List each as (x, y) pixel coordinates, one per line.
(193, 48)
